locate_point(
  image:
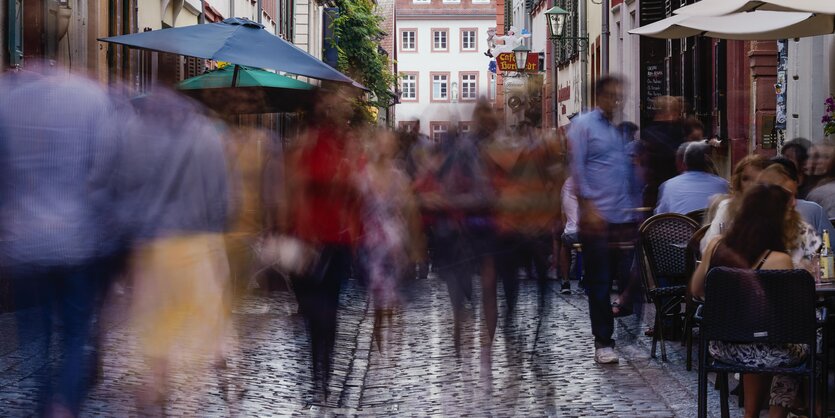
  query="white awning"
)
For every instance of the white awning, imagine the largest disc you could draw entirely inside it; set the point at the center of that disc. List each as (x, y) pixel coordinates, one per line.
(723, 7)
(755, 25)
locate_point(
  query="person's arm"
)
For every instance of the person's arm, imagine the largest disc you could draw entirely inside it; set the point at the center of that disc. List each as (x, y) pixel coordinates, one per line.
(663, 203)
(590, 219)
(697, 282)
(715, 226)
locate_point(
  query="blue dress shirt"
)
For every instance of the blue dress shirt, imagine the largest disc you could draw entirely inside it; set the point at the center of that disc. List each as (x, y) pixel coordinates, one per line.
(601, 166)
(689, 191)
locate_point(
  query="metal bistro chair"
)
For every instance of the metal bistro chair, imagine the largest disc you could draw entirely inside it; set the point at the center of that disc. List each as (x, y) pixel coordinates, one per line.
(743, 306)
(694, 256)
(662, 246)
(697, 215)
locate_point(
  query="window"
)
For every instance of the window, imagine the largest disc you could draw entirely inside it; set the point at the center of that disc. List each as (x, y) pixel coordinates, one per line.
(420, 1)
(468, 39)
(469, 86)
(408, 87)
(438, 130)
(409, 126)
(440, 87)
(452, 1)
(491, 91)
(481, 1)
(439, 39)
(408, 40)
(464, 127)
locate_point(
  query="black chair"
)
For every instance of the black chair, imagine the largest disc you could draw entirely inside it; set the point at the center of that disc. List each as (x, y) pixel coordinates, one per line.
(697, 215)
(743, 306)
(662, 246)
(694, 255)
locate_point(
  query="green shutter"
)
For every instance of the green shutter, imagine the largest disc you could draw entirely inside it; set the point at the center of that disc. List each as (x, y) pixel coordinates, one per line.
(15, 34)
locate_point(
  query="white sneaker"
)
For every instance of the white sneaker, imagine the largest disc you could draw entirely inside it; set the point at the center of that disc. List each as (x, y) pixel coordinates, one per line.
(605, 355)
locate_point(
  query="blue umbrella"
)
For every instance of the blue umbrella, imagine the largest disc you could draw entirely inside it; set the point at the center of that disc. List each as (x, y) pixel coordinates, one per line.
(236, 40)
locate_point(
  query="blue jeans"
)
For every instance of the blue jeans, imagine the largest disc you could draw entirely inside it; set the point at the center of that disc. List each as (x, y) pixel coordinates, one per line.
(599, 272)
(69, 293)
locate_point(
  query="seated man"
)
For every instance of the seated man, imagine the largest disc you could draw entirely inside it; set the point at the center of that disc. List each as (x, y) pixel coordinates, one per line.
(692, 189)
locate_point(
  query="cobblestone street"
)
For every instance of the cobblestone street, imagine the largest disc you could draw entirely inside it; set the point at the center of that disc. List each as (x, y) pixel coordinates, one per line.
(542, 365)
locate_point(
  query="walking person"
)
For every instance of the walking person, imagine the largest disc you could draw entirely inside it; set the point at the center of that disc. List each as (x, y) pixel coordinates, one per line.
(389, 219)
(321, 208)
(464, 225)
(59, 235)
(602, 169)
(178, 209)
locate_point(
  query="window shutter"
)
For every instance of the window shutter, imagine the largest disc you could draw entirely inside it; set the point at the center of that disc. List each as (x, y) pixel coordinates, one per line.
(15, 32)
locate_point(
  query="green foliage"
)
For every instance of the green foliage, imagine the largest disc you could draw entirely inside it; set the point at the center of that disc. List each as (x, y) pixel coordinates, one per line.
(358, 33)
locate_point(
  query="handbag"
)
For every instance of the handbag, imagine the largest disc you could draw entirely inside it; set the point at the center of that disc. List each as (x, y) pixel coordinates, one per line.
(287, 254)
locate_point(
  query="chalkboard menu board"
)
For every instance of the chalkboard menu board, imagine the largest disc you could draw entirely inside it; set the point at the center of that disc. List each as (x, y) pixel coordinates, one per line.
(653, 84)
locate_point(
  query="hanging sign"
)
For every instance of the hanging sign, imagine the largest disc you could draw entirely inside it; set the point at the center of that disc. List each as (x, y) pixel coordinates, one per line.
(507, 62)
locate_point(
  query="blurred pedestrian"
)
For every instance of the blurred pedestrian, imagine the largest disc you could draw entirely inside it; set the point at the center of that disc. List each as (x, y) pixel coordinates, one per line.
(602, 169)
(824, 193)
(464, 226)
(178, 209)
(797, 151)
(321, 207)
(657, 148)
(526, 207)
(389, 219)
(59, 151)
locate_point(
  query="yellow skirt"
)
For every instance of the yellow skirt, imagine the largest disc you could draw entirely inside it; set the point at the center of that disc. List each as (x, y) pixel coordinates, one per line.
(178, 304)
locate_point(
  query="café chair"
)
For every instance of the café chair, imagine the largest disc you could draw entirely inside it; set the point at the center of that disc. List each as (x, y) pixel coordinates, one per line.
(662, 246)
(744, 306)
(692, 303)
(697, 215)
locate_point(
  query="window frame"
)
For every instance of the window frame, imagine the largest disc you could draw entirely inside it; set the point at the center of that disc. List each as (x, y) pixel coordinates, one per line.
(432, 84)
(439, 123)
(446, 39)
(416, 75)
(461, 40)
(400, 44)
(461, 75)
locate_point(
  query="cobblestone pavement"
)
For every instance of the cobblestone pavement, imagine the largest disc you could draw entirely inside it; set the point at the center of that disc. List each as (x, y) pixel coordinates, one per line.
(542, 365)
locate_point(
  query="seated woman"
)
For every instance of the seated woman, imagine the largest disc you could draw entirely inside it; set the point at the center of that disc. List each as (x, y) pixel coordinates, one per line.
(757, 239)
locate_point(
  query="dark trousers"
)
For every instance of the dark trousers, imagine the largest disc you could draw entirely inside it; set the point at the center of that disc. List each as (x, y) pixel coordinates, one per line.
(599, 272)
(518, 250)
(318, 297)
(68, 293)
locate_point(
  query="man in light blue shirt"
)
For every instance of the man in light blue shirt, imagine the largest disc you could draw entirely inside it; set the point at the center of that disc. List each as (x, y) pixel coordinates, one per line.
(692, 189)
(602, 169)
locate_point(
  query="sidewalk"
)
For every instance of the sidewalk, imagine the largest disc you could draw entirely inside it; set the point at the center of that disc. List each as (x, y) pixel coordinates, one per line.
(542, 364)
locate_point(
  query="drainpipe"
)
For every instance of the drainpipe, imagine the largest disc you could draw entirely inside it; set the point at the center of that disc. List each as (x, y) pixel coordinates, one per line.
(604, 40)
(584, 51)
(260, 13)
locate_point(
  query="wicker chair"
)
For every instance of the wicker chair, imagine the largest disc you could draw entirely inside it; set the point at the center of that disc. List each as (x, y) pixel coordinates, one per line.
(697, 215)
(765, 306)
(692, 303)
(662, 246)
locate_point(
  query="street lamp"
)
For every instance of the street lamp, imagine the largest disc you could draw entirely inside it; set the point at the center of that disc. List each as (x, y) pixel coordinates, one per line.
(556, 21)
(521, 53)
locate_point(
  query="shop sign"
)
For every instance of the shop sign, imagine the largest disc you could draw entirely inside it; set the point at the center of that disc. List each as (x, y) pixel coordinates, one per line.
(506, 61)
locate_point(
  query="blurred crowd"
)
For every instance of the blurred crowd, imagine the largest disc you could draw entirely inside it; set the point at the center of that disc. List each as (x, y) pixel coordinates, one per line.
(186, 210)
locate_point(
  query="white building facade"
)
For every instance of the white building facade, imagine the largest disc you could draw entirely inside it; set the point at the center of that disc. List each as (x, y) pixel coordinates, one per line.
(443, 71)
